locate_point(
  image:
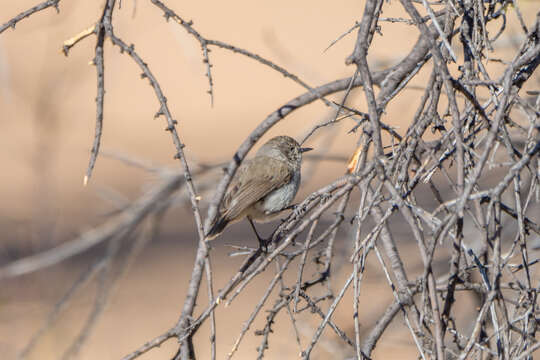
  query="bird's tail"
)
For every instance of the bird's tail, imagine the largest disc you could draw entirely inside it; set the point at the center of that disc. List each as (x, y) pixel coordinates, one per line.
(216, 228)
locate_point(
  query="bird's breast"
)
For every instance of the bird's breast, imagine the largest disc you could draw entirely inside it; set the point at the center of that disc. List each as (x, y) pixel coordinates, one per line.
(281, 197)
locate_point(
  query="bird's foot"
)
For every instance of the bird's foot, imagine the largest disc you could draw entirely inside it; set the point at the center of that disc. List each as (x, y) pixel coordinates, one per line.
(297, 210)
(263, 244)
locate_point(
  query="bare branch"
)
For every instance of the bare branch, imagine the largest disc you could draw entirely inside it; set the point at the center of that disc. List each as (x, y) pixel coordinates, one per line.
(27, 13)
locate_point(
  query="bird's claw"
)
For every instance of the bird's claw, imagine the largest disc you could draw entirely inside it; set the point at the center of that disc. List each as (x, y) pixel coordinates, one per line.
(263, 245)
(298, 211)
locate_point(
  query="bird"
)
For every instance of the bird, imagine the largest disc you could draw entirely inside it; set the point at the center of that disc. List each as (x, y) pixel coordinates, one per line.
(262, 186)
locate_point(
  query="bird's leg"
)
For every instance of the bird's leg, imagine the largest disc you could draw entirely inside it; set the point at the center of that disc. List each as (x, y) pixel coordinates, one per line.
(263, 243)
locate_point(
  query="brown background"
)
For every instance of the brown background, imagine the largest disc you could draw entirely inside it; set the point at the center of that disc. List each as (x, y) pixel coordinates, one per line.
(47, 113)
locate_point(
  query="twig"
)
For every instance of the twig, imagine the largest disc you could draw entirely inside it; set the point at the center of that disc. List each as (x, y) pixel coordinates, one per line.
(27, 13)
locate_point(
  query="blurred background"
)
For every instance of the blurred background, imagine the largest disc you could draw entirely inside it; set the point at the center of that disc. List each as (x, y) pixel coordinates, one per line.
(47, 121)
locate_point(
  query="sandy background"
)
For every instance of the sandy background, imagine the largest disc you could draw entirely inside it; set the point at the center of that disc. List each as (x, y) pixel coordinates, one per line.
(47, 114)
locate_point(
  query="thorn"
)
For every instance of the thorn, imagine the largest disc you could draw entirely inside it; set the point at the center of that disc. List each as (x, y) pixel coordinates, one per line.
(85, 180)
(92, 62)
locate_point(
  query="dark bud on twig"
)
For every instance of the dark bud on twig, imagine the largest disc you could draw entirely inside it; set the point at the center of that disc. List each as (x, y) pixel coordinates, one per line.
(176, 156)
(439, 127)
(339, 215)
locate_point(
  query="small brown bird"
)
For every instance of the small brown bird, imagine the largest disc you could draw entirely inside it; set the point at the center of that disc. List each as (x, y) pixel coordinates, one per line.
(263, 186)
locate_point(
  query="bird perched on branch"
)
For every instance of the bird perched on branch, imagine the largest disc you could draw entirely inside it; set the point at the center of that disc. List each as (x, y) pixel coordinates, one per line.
(262, 187)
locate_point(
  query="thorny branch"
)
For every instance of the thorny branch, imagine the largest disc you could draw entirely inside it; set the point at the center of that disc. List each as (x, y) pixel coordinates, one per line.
(481, 168)
(27, 13)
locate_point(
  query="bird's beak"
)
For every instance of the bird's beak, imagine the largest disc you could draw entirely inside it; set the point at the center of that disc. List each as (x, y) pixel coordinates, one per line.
(303, 150)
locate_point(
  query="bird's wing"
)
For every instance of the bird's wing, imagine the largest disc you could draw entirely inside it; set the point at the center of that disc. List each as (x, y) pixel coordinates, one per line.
(254, 180)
